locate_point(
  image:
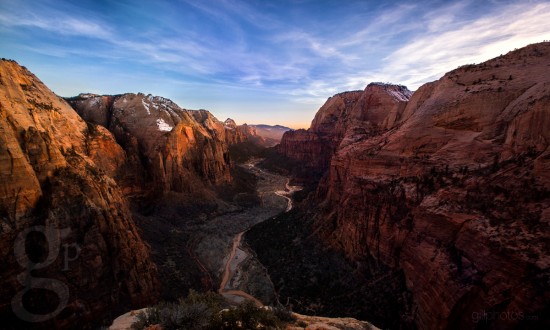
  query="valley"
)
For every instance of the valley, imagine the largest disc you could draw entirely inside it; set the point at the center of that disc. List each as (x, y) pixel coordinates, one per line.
(219, 248)
(411, 210)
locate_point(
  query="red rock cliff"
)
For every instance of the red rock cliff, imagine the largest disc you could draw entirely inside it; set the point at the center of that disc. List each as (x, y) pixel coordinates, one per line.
(345, 118)
(62, 215)
(168, 148)
(451, 186)
(235, 134)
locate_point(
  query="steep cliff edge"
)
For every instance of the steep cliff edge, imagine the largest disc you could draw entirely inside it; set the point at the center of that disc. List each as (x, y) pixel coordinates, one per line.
(178, 172)
(451, 187)
(168, 148)
(71, 252)
(344, 118)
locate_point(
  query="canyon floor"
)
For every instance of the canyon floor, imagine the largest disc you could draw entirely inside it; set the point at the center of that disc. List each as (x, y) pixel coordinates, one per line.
(243, 277)
(200, 250)
(219, 248)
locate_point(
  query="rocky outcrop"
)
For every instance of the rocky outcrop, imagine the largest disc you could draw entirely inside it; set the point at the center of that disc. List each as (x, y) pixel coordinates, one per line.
(326, 323)
(167, 147)
(124, 322)
(344, 119)
(69, 247)
(450, 186)
(235, 134)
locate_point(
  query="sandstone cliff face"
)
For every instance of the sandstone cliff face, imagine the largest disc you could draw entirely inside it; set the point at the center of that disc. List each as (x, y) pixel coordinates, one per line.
(167, 148)
(451, 187)
(62, 215)
(345, 118)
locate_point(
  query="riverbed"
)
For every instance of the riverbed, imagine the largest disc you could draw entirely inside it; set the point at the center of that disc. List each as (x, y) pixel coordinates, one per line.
(219, 249)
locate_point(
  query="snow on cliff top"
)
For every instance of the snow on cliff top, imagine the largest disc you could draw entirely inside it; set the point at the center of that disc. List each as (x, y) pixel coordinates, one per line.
(163, 126)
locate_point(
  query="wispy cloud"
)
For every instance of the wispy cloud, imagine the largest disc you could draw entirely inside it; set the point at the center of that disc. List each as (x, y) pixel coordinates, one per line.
(447, 43)
(57, 23)
(301, 51)
(436, 52)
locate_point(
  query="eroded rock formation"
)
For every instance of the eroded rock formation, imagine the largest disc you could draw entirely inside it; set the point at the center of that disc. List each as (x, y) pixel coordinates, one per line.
(451, 186)
(70, 250)
(168, 148)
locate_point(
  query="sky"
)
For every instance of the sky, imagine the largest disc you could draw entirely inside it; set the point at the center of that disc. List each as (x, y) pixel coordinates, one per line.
(258, 61)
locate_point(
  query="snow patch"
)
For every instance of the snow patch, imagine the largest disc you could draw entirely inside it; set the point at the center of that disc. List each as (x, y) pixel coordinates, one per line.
(146, 106)
(404, 97)
(163, 126)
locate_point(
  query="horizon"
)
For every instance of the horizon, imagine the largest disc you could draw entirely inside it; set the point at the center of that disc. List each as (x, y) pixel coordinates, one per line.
(257, 62)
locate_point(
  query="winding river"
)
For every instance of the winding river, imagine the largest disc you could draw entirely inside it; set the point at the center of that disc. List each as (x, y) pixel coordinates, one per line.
(218, 250)
(233, 273)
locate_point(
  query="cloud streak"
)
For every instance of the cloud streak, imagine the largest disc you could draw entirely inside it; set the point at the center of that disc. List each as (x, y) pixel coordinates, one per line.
(298, 52)
(448, 43)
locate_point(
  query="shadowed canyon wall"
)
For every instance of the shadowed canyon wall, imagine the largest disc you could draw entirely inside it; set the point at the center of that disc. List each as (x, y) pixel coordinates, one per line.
(449, 184)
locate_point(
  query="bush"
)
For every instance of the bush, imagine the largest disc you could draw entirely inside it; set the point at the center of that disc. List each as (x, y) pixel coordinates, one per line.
(204, 311)
(284, 314)
(196, 311)
(246, 316)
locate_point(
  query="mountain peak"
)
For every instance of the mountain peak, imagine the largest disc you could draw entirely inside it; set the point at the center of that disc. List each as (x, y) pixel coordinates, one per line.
(399, 92)
(230, 123)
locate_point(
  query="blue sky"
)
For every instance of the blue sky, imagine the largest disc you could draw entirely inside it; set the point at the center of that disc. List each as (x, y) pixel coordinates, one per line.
(258, 61)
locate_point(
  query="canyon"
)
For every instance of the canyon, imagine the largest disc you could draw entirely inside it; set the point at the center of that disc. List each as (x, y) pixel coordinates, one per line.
(109, 190)
(56, 191)
(410, 210)
(447, 185)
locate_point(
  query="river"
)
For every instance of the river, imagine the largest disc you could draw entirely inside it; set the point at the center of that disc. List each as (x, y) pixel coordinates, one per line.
(220, 250)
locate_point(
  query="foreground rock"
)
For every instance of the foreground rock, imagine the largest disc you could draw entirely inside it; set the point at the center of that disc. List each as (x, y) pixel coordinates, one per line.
(62, 215)
(327, 323)
(450, 186)
(125, 321)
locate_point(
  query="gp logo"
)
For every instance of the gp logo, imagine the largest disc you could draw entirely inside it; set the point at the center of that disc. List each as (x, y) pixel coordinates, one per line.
(53, 236)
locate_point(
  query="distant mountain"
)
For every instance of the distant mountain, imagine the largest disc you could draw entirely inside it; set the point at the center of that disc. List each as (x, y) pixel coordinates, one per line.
(273, 133)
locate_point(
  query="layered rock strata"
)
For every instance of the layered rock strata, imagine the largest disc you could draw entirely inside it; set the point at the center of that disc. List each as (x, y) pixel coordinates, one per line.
(69, 247)
(449, 185)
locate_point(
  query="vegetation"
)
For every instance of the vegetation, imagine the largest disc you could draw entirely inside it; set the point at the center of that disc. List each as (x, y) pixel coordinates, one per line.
(242, 189)
(205, 311)
(247, 316)
(277, 163)
(196, 311)
(314, 280)
(244, 151)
